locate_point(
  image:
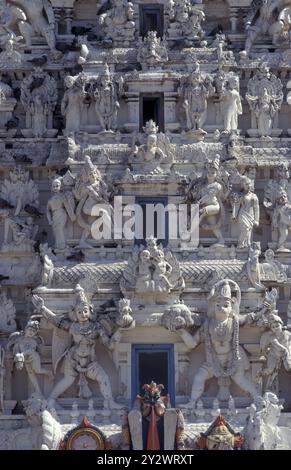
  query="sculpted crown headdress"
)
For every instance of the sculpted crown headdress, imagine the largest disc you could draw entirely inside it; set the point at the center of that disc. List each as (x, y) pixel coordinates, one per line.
(80, 295)
(215, 163)
(33, 324)
(90, 168)
(224, 290)
(106, 72)
(150, 127)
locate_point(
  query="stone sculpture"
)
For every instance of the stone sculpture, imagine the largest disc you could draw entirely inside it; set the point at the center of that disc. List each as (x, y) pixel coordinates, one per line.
(78, 348)
(7, 315)
(277, 203)
(247, 212)
(72, 104)
(83, 102)
(185, 21)
(34, 17)
(152, 52)
(10, 57)
(267, 17)
(262, 431)
(20, 192)
(60, 207)
(105, 93)
(275, 345)
(225, 358)
(118, 22)
(90, 190)
(155, 156)
(151, 274)
(25, 349)
(264, 96)
(231, 104)
(39, 98)
(195, 90)
(210, 191)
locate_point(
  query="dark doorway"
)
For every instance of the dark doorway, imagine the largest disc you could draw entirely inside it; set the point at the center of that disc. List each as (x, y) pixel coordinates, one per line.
(159, 226)
(152, 107)
(153, 362)
(151, 19)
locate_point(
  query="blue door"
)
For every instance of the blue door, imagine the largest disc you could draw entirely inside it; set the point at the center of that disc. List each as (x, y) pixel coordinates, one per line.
(153, 362)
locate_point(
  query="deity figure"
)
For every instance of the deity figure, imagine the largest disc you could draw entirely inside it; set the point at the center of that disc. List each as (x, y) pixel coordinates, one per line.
(277, 203)
(264, 96)
(6, 92)
(23, 232)
(20, 191)
(39, 19)
(77, 350)
(264, 19)
(265, 110)
(7, 315)
(275, 345)
(72, 104)
(246, 211)
(196, 90)
(152, 51)
(262, 431)
(162, 271)
(11, 16)
(220, 43)
(9, 56)
(39, 99)
(281, 219)
(231, 104)
(59, 207)
(144, 278)
(225, 358)
(118, 22)
(210, 192)
(152, 273)
(39, 111)
(185, 21)
(105, 94)
(90, 189)
(155, 155)
(25, 349)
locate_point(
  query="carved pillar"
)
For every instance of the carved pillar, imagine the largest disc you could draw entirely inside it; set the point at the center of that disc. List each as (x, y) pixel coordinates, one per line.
(69, 12)
(132, 100)
(233, 16)
(182, 363)
(58, 14)
(122, 361)
(170, 101)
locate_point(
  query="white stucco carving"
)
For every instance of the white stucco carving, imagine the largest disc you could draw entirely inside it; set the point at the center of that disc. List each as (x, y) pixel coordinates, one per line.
(173, 103)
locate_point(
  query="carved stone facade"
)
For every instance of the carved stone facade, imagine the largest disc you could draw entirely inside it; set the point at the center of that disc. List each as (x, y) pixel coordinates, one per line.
(109, 320)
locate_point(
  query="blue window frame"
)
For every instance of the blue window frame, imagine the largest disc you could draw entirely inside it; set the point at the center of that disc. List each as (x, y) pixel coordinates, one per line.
(143, 202)
(153, 362)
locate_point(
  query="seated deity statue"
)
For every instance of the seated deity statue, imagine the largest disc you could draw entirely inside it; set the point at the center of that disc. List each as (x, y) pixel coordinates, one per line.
(118, 22)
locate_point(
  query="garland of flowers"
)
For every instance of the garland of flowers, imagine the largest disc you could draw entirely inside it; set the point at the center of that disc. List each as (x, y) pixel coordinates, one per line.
(211, 354)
